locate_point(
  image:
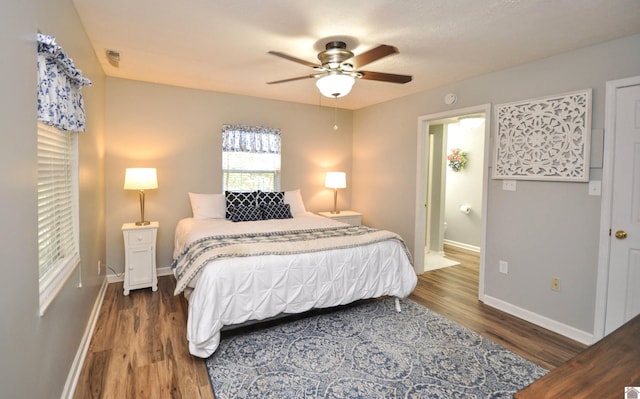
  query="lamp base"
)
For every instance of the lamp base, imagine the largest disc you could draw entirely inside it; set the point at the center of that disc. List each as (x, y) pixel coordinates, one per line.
(142, 222)
(335, 210)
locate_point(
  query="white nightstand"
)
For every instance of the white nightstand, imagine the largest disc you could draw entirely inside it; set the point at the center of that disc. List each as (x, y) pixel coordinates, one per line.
(140, 256)
(350, 217)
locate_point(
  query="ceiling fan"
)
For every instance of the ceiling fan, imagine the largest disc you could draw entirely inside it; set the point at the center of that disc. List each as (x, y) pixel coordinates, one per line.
(338, 68)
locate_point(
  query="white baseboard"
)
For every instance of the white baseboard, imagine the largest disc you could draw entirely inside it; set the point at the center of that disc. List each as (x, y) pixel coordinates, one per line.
(161, 271)
(462, 246)
(542, 321)
(81, 354)
(113, 278)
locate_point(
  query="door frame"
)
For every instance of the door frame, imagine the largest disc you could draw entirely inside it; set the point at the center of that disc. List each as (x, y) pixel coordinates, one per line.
(421, 183)
(604, 250)
(430, 191)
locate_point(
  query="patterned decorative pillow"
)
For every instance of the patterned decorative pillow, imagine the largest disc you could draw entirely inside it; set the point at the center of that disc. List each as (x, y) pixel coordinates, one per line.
(270, 197)
(276, 211)
(244, 213)
(234, 198)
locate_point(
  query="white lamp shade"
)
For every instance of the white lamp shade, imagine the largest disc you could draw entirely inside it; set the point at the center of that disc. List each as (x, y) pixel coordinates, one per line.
(335, 85)
(140, 179)
(336, 180)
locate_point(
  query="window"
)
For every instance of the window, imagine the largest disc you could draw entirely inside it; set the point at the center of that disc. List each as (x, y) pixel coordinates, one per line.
(58, 239)
(61, 108)
(250, 158)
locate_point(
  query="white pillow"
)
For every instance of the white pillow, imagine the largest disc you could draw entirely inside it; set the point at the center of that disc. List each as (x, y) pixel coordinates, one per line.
(208, 206)
(294, 199)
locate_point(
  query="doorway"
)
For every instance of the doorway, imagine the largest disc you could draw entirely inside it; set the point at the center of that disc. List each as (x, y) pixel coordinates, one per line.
(451, 201)
(617, 295)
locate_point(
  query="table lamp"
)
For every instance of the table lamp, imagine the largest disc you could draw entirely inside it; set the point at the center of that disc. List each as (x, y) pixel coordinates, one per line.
(141, 179)
(335, 180)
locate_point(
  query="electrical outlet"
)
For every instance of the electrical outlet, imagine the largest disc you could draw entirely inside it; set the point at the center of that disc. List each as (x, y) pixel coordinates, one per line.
(555, 284)
(99, 266)
(504, 267)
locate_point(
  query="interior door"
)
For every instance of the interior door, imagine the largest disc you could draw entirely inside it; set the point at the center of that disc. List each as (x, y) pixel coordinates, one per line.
(623, 288)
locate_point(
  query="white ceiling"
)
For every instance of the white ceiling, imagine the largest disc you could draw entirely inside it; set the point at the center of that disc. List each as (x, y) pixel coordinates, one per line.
(222, 45)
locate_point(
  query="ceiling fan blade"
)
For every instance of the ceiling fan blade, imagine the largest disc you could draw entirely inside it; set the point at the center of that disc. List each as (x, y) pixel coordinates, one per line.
(292, 79)
(294, 59)
(374, 54)
(385, 77)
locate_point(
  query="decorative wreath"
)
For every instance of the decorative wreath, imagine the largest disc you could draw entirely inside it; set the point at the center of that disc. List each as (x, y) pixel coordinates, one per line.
(457, 159)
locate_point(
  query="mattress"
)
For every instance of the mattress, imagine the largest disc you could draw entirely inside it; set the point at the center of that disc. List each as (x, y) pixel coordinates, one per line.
(235, 290)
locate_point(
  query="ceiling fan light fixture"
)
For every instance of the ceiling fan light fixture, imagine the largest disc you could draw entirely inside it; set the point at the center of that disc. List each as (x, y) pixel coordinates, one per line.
(335, 85)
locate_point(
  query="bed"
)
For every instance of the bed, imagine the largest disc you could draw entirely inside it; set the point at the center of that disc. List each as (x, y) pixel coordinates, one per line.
(233, 273)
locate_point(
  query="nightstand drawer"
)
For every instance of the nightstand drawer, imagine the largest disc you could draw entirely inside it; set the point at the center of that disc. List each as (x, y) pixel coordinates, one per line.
(140, 237)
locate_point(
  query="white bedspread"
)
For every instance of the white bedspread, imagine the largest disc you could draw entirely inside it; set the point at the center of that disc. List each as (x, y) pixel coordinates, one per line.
(235, 290)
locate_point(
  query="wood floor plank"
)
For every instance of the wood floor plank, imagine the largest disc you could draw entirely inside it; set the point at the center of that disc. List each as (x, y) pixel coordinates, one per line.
(139, 348)
(602, 371)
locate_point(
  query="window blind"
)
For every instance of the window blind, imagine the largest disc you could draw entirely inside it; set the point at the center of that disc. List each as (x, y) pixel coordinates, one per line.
(57, 209)
(250, 158)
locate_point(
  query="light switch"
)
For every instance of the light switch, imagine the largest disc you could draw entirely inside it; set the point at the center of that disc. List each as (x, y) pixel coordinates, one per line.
(509, 185)
(504, 267)
(595, 187)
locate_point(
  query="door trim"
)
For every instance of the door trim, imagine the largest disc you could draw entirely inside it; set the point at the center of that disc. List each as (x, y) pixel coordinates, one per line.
(421, 183)
(602, 279)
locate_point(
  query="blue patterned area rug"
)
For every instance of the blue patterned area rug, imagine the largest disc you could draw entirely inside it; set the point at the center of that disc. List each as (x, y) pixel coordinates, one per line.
(366, 351)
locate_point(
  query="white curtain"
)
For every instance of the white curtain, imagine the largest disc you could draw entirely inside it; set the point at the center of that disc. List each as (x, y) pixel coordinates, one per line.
(59, 83)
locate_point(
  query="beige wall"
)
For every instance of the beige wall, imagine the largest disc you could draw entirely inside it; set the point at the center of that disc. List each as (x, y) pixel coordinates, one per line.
(544, 229)
(37, 352)
(178, 131)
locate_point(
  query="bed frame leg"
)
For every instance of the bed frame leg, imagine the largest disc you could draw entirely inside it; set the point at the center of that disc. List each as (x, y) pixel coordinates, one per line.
(398, 308)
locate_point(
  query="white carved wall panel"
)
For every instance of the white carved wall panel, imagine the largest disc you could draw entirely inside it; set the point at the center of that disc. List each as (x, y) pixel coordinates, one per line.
(544, 139)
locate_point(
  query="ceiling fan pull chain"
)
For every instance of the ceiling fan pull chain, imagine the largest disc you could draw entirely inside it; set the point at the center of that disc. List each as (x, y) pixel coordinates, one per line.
(335, 113)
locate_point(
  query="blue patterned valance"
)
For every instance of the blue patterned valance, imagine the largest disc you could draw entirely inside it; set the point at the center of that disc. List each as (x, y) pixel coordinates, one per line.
(253, 139)
(59, 82)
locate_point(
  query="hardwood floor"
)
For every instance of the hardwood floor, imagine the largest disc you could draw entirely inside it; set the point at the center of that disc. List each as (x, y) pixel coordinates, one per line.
(139, 349)
(602, 371)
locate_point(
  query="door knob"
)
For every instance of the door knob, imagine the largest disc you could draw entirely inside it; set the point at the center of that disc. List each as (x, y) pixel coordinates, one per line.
(621, 234)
